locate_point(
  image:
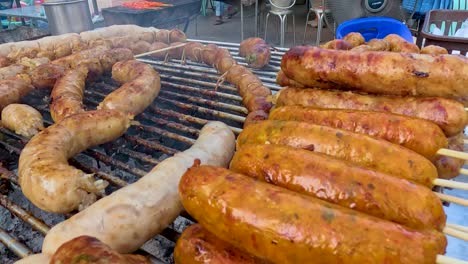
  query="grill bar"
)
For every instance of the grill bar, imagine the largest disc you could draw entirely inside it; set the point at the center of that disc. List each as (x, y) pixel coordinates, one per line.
(108, 160)
(170, 124)
(151, 145)
(140, 156)
(37, 224)
(162, 132)
(12, 244)
(197, 90)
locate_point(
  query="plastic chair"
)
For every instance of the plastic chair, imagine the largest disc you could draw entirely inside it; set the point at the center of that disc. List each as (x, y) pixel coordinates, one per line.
(321, 13)
(282, 13)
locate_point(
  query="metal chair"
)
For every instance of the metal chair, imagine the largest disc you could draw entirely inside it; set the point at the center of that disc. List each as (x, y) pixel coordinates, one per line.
(282, 13)
(322, 14)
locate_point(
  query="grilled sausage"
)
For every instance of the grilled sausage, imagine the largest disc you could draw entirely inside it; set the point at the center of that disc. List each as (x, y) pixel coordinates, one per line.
(448, 114)
(112, 56)
(72, 59)
(177, 35)
(255, 51)
(361, 150)
(283, 81)
(433, 49)
(399, 44)
(337, 44)
(198, 246)
(419, 135)
(140, 47)
(45, 177)
(12, 89)
(34, 259)
(354, 38)
(67, 95)
(387, 73)
(448, 167)
(284, 227)
(4, 61)
(342, 183)
(378, 45)
(90, 250)
(193, 50)
(23, 66)
(140, 88)
(158, 46)
(22, 119)
(154, 196)
(45, 76)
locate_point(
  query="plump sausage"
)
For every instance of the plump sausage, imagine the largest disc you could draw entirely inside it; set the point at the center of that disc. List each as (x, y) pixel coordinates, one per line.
(158, 46)
(433, 49)
(419, 135)
(112, 56)
(256, 52)
(141, 85)
(117, 220)
(389, 73)
(67, 95)
(284, 227)
(22, 119)
(13, 89)
(354, 38)
(342, 183)
(45, 177)
(399, 44)
(34, 259)
(378, 45)
(198, 246)
(140, 47)
(284, 81)
(44, 76)
(90, 250)
(177, 35)
(448, 114)
(337, 44)
(361, 150)
(448, 167)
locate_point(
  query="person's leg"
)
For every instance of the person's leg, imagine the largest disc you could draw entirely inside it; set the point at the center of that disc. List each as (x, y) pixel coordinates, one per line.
(219, 9)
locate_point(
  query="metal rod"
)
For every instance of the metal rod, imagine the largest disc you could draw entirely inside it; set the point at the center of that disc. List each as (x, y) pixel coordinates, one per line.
(208, 102)
(170, 124)
(140, 156)
(8, 175)
(280, 50)
(12, 244)
(151, 145)
(198, 90)
(106, 159)
(37, 224)
(204, 110)
(167, 134)
(187, 118)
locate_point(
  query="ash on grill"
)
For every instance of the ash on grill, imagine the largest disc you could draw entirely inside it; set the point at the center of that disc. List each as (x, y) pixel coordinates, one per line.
(186, 102)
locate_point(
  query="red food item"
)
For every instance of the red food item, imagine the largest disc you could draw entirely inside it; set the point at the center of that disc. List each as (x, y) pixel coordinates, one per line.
(143, 4)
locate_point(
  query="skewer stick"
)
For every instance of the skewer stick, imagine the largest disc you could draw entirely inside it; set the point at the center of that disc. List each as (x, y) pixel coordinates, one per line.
(465, 141)
(441, 259)
(453, 154)
(451, 184)
(466, 109)
(455, 233)
(458, 227)
(464, 171)
(160, 50)
(452, 199)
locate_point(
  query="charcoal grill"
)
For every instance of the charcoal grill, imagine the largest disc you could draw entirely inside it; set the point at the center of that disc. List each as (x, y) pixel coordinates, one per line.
(186, 102)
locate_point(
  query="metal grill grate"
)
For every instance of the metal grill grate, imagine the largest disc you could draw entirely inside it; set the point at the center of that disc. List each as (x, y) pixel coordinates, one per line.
(186, 102)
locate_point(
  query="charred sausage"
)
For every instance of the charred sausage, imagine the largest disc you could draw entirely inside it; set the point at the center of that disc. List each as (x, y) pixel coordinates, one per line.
(22, 119)
(198, 246)
(284, 227)
(45, 177)
(67, 95)
(141, 84)
(342, 183)
(448, 114)
(154, 196)
(361, 150)
(387, 73)
(419, 135)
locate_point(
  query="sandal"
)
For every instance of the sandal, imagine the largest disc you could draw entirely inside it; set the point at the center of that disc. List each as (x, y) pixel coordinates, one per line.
(218, 22)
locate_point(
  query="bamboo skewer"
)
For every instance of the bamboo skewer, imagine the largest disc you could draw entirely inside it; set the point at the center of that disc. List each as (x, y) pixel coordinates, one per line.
(451, 184)
(465, 141)
(160, 50)
(458, 227)
(453, 153)
(441, 259)
(452, 199)
(455, 233)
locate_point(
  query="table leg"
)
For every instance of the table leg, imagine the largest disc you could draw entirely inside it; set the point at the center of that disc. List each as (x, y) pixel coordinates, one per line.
(256, 18)
(242, 20)
(18, 5)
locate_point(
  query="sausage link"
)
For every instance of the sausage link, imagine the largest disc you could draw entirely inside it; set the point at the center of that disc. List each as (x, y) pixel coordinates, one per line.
(388, 73)
(255, 51)
(283, 81)
(448, 114)
(284, 227)
(433, 49)
(412, 133)
(45, 177)
(448, 167)
(141, 86)
(342, 183)
(45, 76)
(354, 38)
(362, 150)
(198, 246)
(399, 44)
(23, 119)
(337, 44)
(12, 89)
(67, 94)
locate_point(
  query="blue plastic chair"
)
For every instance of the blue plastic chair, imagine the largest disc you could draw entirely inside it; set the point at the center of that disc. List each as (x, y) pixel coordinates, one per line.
(374, 27)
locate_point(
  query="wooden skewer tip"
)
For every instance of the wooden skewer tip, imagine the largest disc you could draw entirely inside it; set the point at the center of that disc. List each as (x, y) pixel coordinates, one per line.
(441, 259)
(452, 199)
(453, 153)
(451, 184)
(160, 50)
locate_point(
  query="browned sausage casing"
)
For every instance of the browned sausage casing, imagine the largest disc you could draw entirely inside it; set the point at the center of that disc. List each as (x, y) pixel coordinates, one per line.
(388, 73)
(340, 182)
(12, 89)
(45, 76)
(361, 150)
(141, 85)
(448, 167)
(283, 80)
(86, 249)
(67, 95)
(433, 49)
(285, 227)
(198, 246)
(255, 51)
(419, 135)
(448, 114)
(399, 44)
(337, 44)
(354, 38)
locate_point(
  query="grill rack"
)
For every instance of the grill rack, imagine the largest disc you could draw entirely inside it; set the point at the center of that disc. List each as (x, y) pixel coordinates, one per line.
(171, 124)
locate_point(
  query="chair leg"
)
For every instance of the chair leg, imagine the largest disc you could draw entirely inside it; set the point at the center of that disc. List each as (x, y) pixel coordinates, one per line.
(305, 28)
(283, 21)
(319, 28)
(266, 25)
(294, 30)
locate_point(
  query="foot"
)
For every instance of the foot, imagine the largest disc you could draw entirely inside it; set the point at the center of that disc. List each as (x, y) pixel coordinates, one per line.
(231, 12)
(218, 21)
